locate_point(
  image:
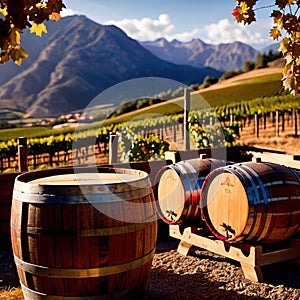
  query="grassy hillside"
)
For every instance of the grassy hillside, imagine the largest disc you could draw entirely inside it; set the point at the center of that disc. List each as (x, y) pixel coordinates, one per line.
(243, 87)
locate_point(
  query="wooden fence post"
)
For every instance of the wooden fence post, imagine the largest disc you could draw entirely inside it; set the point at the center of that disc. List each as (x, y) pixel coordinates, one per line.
(277, 123)
(22, 154)
(187, 105)
(295, 118)
(256, 125)
(113, 148)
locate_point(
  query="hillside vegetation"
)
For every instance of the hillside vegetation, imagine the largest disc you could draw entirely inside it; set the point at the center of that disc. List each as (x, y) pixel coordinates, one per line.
(248, 86)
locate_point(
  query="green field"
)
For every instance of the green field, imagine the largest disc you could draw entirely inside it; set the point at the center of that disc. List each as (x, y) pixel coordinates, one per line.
(257, 87)
(249, 89)
(14, 133)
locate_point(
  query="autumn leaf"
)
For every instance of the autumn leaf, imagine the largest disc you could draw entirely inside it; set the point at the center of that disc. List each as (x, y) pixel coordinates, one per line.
(3, 11)
(284, 46)
(38, 29)
(55, 16)
(281, 3)
(244, 7)
(17, 55)
(277, 15)
(275, 33)
(15, 38)
(237, 13)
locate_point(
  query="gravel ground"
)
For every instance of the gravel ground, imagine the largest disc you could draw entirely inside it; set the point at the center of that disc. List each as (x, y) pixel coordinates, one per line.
(202, 275)
(205, 275)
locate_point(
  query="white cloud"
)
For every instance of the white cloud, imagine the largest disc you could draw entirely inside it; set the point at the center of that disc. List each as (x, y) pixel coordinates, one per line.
(151, 29)
(67, 12)
(226, 32)
(145, 28)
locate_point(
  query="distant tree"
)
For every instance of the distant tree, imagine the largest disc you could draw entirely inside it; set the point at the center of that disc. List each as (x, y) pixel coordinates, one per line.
(5, 125)
(208, 81)
(286, 15)
(15, 16)
(261, 61)
(230, 74)
(248, 66)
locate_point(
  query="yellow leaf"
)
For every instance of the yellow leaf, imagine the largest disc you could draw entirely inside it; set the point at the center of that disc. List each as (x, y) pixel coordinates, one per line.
(244, 7)
(3, 11)
(284, 46)
(55, 16)
(15, 38)
(17, 55)
(275, 33)
(38, 29)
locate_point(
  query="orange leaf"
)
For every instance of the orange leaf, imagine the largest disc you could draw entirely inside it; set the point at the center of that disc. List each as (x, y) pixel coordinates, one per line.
(55, 16)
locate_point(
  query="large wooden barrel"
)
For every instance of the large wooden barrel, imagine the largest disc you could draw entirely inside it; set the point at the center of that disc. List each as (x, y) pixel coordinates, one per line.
(178, 189)
(255, 202)
(6, 191)
(89, 239)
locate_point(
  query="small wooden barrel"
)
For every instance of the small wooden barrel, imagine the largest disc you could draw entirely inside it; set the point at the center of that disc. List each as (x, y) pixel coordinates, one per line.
(254, 201)
(6, 191)
(89, 239)
(178, 189)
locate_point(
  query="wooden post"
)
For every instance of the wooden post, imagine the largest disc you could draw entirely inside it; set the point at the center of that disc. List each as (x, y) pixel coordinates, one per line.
(113, 148)
(295, 118)
(187, 105)
(265, 121)
(282, 123)
(22, 154)
(256, 125)
(174, 133)
(277, 123)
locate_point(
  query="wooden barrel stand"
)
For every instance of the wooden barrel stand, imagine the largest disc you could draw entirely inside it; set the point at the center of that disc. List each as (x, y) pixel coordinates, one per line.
(251, 258)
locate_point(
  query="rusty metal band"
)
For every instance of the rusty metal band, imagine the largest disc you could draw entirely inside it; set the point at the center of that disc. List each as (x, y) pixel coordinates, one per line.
(81, 198)
(82, 273)
(88, 232)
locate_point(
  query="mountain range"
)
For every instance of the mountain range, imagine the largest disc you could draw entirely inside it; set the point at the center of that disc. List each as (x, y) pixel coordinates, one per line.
(224, 57)
(78, 58)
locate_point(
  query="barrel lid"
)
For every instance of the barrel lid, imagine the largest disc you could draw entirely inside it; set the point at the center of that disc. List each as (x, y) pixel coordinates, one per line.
(227, 204)
(171, 195)
(62, 181)
(85, 179)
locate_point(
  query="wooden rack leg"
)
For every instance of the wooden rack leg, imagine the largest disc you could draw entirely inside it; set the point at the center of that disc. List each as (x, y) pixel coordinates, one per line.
(185, 248)
(251, 272)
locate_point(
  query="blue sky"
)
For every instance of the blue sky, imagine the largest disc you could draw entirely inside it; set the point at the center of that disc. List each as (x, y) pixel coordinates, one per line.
(210, 21)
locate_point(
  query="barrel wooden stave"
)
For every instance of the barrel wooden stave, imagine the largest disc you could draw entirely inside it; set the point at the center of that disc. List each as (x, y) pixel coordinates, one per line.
(273, 194)
(62, 236)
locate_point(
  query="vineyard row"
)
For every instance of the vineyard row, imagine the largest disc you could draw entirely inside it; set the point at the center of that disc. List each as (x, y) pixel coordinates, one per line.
(253, 118)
